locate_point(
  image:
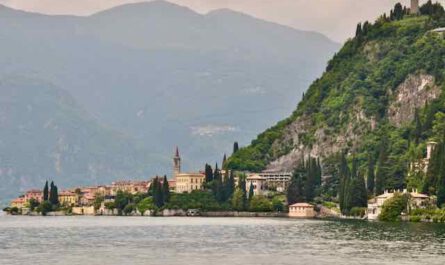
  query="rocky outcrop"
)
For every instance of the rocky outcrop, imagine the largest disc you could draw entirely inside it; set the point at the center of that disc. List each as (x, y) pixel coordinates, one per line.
(323, 141)
(413, 93)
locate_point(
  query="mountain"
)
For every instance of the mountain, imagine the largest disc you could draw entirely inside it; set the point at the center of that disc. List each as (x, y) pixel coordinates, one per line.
(45, 134)
(167, 75)
(380, 100)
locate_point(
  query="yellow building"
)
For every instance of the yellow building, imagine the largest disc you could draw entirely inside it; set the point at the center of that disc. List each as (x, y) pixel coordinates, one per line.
(188, 182)
(68, 198)
(19, 203)
(301, 210)
(185, 182)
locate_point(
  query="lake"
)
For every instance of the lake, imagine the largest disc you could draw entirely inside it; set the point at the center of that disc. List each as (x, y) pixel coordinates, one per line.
(214, 241)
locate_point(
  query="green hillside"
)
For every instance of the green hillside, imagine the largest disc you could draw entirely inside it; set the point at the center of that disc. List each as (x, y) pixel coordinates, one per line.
(380, 99)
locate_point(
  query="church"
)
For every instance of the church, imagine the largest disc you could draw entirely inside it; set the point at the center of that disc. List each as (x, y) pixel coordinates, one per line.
(186, 182)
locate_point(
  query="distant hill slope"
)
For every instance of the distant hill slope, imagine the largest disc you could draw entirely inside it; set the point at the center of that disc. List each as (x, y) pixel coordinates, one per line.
(44, 134)
(167, 75)
(381, 98)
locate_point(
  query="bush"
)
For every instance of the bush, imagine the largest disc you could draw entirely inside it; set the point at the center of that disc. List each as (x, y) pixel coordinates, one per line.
(260, 204)
(393, 208)
(358, 211)
(44, 208)
(415, 219)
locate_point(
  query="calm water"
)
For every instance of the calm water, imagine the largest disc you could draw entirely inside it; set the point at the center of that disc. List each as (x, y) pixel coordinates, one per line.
(185, 241)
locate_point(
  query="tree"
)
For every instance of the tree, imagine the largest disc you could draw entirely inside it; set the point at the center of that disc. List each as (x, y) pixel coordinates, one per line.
(145, 205)
(44, 208)
(129, 208)
(371, 175)
(393, 207)
(224, 161)
(229, 186)
(98, 201)
(157, 192)
(260, 204)
(53, 194)
(33, 204)
(238, 200)
(382, 168)
(251, 191)
(277, 205)
(295, 190)
(208, 173)
(45, 192)
(353, 188)
(358, 194)
(235, 148)
(165, 190)
(122, 200)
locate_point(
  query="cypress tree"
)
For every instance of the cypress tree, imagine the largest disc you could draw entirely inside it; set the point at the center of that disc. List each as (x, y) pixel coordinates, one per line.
(310, 183)
(344, 184)
(418, 127)
(165, 190)
(235, 147)
(358, 31)
(208, 173)
(51, 192)
(224, 161)
(216, 173)
(45, 192)
(242, 187)
(295, 189)
(371, 175)
(230, 186)
(251, 192)
(382, 168)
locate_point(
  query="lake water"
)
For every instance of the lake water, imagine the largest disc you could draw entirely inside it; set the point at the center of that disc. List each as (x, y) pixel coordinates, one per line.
(214, 241)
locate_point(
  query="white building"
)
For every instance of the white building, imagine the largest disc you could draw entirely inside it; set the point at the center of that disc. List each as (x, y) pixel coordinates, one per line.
(417, 200)
(259, 184)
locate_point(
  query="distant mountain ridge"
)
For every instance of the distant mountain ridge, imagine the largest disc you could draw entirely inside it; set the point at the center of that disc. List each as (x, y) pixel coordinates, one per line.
(165, 75)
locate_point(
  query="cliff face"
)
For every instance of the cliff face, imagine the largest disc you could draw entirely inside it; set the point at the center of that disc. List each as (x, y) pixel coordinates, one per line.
(412, 94)
(370, 90)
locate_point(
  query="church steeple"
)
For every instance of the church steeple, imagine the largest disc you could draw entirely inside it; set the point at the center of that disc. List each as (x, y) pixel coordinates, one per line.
(176, 163)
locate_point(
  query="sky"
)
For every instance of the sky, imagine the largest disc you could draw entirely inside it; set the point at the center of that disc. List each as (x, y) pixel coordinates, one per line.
(336, 19)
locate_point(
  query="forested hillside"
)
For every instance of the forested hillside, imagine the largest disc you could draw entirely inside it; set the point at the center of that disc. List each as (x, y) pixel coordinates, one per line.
(380, 101)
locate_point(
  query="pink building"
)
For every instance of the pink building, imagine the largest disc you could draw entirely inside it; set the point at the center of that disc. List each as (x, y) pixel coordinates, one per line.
(34, 194)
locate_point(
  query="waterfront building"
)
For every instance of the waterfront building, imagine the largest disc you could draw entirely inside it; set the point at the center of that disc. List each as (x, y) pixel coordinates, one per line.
(19, 203)
(34, 194)
(129, 186)
(68, 198)
(277, 180)
(417, 200)
(186, 182)
(301, 210)
(259, 184)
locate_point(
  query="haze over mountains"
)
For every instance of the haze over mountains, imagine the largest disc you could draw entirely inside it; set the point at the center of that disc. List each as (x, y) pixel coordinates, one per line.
(124, 86)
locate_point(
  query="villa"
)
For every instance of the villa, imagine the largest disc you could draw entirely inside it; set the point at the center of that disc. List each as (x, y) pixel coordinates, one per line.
(301, 210)
(417, 200)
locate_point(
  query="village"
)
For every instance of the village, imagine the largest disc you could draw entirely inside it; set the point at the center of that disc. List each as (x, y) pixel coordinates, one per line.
(96, 200)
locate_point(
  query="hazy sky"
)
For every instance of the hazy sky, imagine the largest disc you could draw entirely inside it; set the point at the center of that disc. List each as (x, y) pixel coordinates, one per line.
(334, 18)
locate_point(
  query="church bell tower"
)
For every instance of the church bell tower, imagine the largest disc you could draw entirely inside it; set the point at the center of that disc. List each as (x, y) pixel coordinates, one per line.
(414, 7)
(176, 163)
